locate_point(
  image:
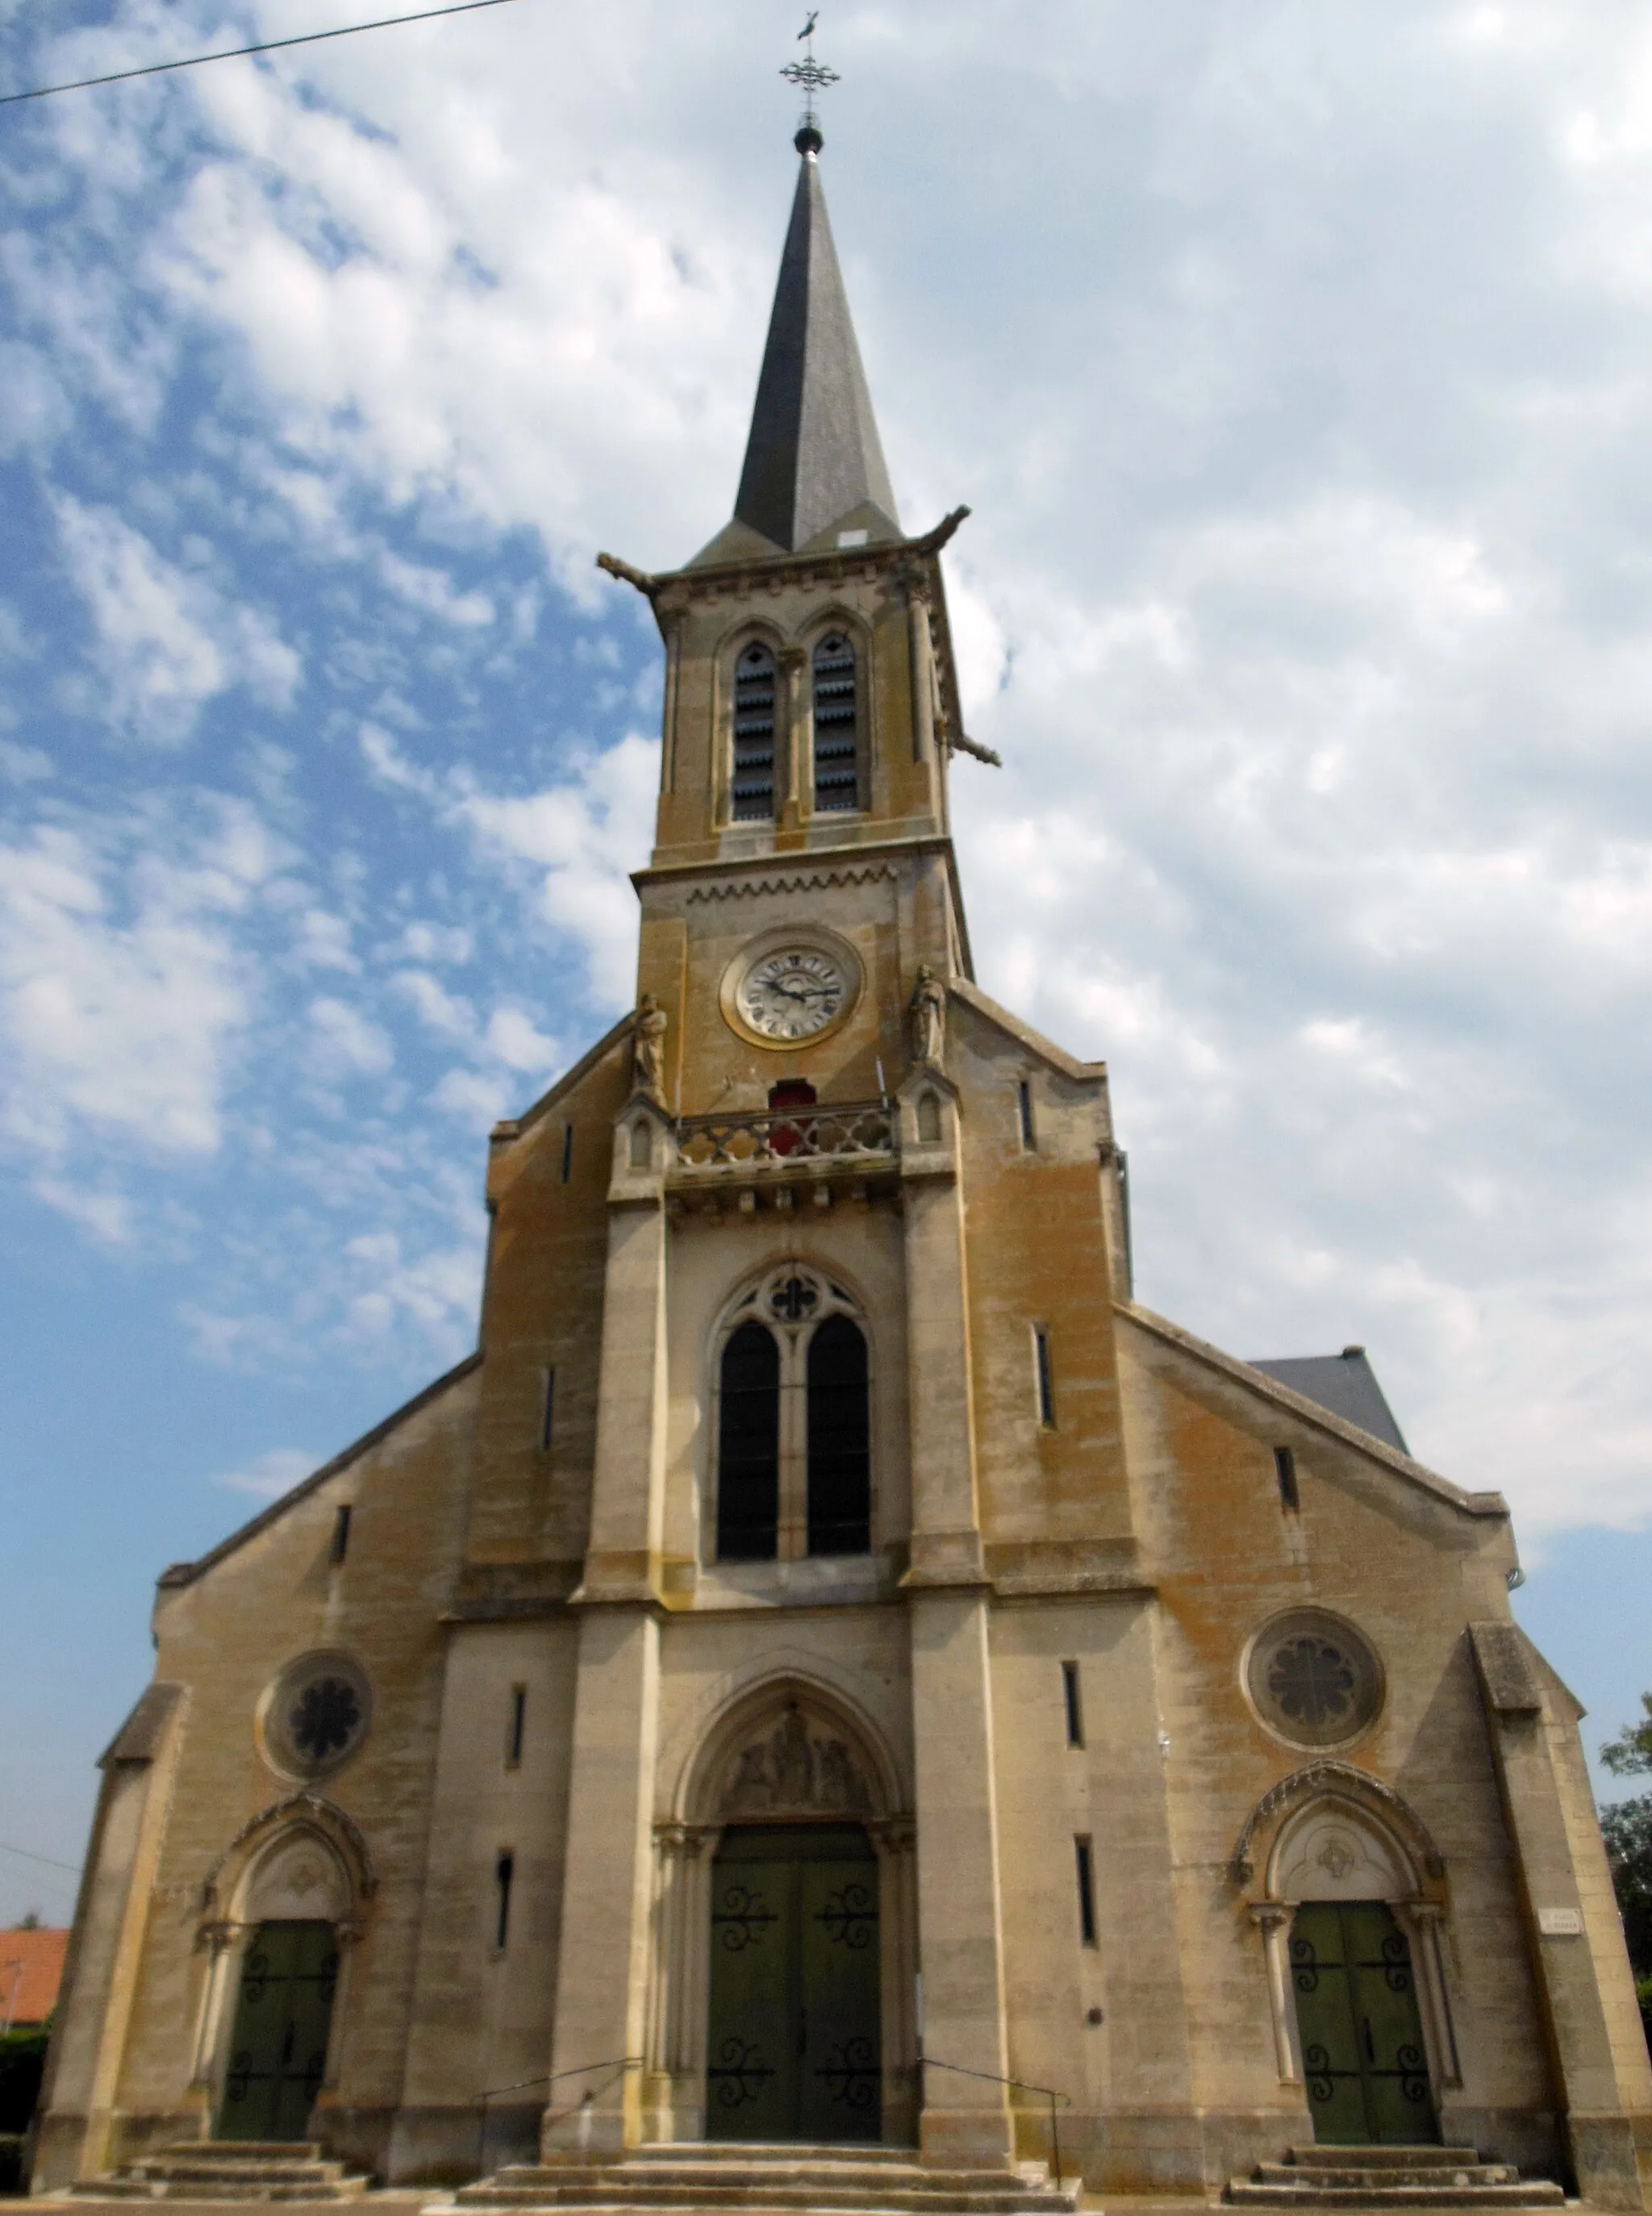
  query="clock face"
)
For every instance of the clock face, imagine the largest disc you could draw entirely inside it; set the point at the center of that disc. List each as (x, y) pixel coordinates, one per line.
(793, 992)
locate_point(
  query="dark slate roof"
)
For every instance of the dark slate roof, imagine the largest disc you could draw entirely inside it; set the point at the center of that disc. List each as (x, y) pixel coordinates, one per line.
(813, 456)
(1345, 1383)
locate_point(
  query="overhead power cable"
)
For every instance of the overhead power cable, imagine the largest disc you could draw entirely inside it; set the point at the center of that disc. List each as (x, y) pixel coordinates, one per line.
(264, 46)
(73, 1868)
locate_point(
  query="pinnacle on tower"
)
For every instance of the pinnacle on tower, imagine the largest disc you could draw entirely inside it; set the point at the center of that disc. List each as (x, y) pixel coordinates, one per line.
(814, 464)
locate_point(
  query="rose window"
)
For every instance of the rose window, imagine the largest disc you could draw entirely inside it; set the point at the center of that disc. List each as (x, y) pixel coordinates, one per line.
(315, 1716)
(1313, 1679)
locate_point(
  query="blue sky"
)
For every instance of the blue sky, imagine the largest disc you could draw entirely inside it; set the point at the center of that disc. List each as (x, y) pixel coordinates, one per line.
(1295, 360)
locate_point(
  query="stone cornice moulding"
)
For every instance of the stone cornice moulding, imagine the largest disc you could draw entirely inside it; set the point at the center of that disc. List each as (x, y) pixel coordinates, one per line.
(801, 881)
(325, 1816)
(1310, 1412)
(1328, 1779)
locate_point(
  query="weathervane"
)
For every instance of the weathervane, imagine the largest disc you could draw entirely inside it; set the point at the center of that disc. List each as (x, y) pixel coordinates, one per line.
(814, 77)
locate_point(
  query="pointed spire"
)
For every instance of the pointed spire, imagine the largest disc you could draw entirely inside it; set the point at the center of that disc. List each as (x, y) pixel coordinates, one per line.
(813, 461)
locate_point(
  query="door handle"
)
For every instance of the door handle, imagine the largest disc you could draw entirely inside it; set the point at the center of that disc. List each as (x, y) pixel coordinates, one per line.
(803, 2031)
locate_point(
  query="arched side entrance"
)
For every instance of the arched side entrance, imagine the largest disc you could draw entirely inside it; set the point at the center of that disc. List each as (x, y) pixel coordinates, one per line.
(267, 2044)
(1350, 1928)
(785, 1956)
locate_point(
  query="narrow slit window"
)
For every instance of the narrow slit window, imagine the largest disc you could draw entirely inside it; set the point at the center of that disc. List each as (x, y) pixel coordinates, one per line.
(518, 1721)
(1073, 1702)
(547, 1408)
(641, 1144)
(839, 1441)
(1044, 1375)
(1285, 1470)
(341, 1534)
(1025, 1112)
(748, 1447)
(567, 1151)
(836, 725)
(752, 781)
(1085, 1870)
(504, 1874)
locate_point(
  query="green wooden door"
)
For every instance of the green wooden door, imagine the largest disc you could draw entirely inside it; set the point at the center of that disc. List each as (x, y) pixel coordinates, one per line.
(794, 2050)
(1356, 2007)
(277, 2051)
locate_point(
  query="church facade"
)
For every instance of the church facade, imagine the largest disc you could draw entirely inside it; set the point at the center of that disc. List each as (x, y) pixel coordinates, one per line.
(831, 1665)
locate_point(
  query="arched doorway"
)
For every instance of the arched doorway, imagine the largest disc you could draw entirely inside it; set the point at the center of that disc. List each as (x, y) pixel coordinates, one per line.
(785, 1940)
(793, 2043)
(275, 2060)
(1352, 1917)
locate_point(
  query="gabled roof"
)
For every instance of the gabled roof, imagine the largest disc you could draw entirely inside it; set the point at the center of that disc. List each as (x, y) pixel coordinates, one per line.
(1250, 1379)
(31, 1971)
(184, 1573)
(813, 462)
(970, 994)
(1345, 1383)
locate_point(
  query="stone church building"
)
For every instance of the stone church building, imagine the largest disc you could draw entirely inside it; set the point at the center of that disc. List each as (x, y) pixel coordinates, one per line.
(832, 1669)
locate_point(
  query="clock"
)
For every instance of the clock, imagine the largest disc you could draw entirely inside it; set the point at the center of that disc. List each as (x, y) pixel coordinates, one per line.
(786, 990)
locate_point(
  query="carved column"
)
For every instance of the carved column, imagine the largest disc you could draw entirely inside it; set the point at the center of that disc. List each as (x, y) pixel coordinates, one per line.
(920, 655)
(794, 750)
(670, 626)
(1422, 1920)
(1273, 1918)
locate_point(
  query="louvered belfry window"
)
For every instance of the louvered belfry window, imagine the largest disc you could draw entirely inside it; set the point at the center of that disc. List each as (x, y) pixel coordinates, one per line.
(836, 725)
(753, 782)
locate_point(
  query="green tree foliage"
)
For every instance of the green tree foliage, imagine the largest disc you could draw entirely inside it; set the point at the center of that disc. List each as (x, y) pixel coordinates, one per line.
(1626, 1827)
(1631, 1750)
(23, 2059)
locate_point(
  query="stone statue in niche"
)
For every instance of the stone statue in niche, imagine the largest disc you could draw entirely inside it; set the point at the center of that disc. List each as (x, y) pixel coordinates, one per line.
(648, 1049)
(927, 1013)
(791, 1771)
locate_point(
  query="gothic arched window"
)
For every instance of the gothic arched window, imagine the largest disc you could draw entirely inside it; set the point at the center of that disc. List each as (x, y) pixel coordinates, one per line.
(793, 1429)
(748, 1447)
(839, 1440)
(752, 781)
(836, 725)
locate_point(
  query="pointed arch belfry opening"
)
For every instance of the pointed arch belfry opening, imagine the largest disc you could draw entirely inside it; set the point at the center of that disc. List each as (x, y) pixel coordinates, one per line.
(786, 1933)
(1349, 1909)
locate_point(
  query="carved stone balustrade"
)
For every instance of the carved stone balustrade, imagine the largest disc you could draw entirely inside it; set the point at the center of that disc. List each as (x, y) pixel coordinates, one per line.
(763, 1157)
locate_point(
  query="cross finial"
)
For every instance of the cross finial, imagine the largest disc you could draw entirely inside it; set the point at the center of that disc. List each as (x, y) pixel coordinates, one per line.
(813, 77)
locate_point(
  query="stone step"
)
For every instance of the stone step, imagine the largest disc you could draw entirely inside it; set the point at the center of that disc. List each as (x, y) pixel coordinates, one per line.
(1394, 2192)
(741, 2151)
(801, 2193)
(228, 2170)
(767, 2171)
(1326, 2156)
(237, 2173)
(1472, 2171)
(132, 2188)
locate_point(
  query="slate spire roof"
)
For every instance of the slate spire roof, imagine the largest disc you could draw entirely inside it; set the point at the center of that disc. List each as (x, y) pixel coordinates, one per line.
(813, 461)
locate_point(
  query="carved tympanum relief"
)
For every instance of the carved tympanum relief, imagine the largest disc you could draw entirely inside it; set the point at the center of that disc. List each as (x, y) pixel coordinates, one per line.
(1330, 1853)
(299, 1877)
(795, 1769)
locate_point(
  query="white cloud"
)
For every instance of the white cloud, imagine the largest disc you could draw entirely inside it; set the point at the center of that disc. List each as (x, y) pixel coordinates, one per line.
(167, 641)
(432, 591)
(586, 836)
(121, 991)
(345, 1042)
(269, 1475)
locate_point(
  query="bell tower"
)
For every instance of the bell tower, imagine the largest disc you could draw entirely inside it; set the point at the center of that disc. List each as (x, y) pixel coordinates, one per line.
(811, 710)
